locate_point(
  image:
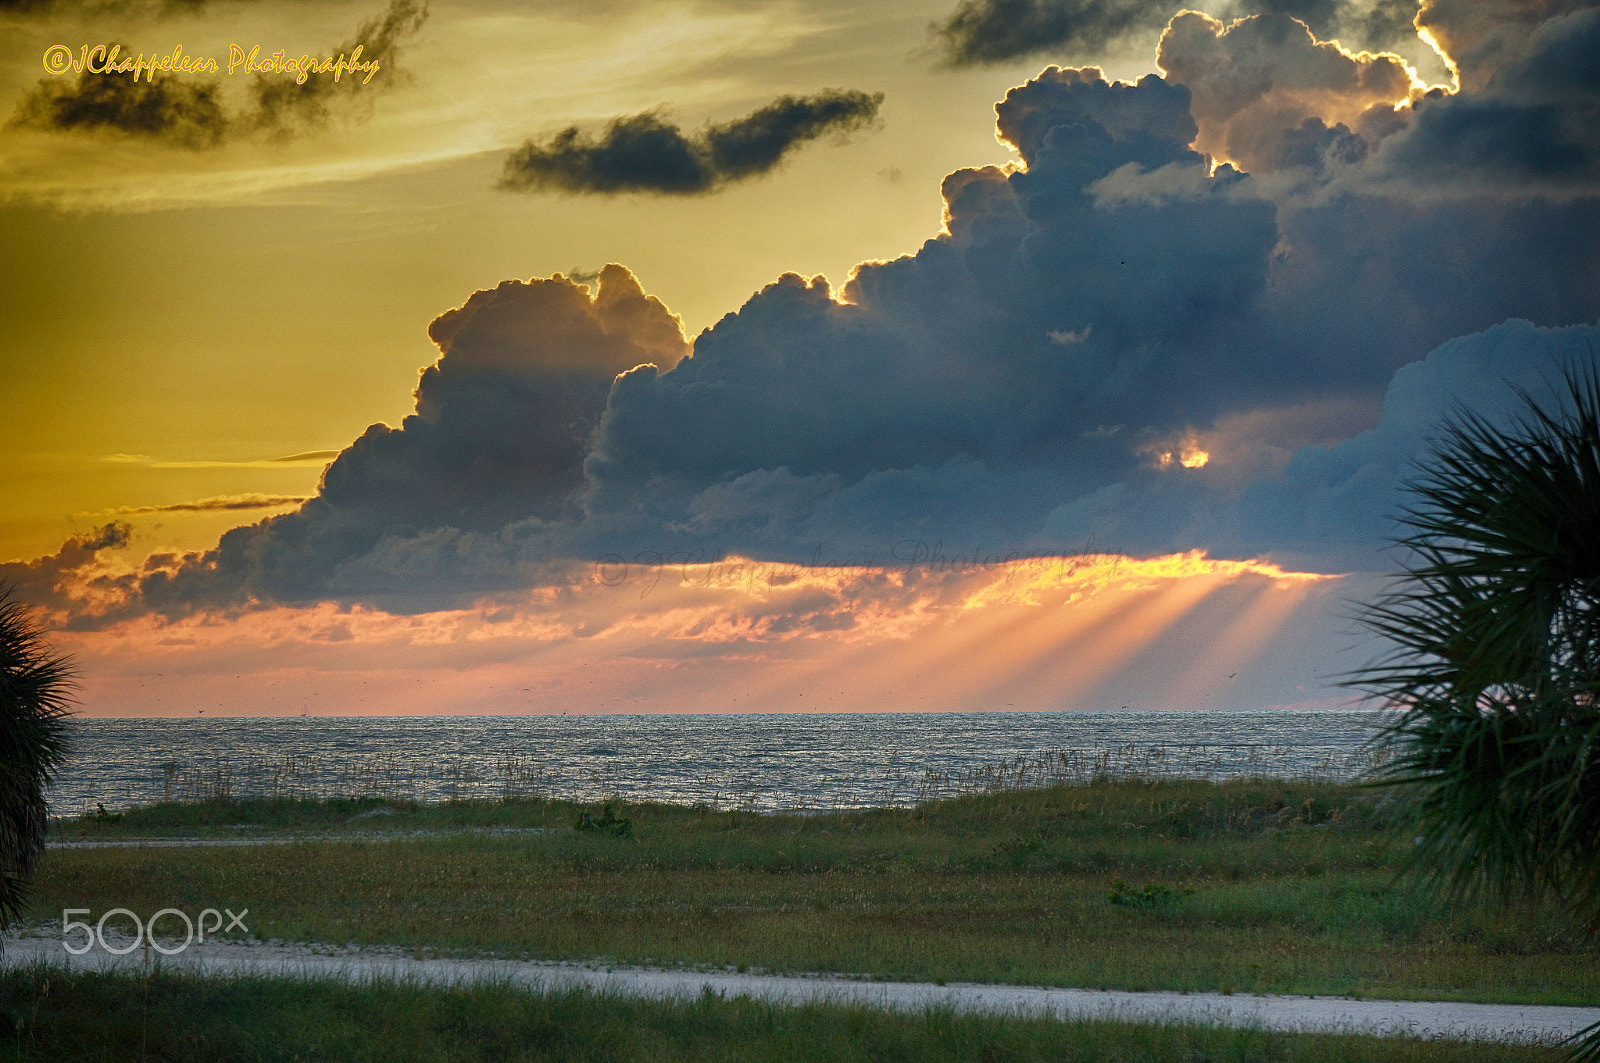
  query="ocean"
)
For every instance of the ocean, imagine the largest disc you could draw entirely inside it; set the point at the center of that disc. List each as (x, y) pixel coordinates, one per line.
(761, 762)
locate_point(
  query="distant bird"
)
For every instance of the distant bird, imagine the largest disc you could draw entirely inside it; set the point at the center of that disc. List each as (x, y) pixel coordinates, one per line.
(1230, 675)
(202, 712)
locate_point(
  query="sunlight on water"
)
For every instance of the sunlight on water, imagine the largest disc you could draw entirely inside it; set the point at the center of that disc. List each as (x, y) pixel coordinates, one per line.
(762, 762)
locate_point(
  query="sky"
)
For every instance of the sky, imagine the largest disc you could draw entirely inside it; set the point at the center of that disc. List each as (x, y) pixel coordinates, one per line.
(485, 357)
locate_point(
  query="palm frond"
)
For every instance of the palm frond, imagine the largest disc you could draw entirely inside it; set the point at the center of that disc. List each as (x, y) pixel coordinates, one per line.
(1494, 654)
(35, 697)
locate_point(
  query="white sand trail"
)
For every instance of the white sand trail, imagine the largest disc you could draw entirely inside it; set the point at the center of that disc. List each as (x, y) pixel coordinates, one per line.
(1515, 1023)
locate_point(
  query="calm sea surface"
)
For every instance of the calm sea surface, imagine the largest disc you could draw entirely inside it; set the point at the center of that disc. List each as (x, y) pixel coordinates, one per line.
(757, 761)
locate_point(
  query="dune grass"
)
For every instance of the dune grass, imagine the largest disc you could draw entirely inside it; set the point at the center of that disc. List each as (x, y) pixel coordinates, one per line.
(1242, 886)
(55, 1016)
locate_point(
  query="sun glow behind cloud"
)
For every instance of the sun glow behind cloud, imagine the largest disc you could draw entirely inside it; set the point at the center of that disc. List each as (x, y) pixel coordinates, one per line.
(738, 635)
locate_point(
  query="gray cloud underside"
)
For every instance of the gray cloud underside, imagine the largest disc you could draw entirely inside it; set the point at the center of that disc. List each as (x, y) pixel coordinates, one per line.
(646, 153)
(1011, 385)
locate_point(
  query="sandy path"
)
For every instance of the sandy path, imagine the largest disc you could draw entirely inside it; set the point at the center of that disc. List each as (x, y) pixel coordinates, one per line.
(1478, 1022)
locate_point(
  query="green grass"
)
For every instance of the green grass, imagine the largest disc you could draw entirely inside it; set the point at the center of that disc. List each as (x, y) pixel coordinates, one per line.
(1245, 886)
(211, 819)
(53, 1016)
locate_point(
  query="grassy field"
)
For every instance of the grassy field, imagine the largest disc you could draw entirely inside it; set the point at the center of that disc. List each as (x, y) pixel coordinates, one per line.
(52, 1016)
(1243, 886)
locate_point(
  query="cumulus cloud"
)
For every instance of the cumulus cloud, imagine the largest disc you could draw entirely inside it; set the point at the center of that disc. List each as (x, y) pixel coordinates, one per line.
(1261, 83)
(938, 368)
(502, 424)
(937, 394)
(646, 153)
(1272, 97)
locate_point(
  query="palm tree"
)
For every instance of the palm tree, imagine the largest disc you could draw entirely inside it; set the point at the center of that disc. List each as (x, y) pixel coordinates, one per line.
(35, 696)
(1495, 658)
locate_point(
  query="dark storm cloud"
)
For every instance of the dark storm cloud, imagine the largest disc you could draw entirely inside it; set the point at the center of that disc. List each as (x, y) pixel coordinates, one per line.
(995, 31)
(644, 153)
(174, 110)
(284, 107)
(1482, 36)
(1536, 122)
(939, 395)
(947, 356)
(502, 424)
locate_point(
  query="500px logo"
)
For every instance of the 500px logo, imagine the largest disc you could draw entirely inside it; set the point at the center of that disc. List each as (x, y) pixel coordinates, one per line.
(145, 932)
